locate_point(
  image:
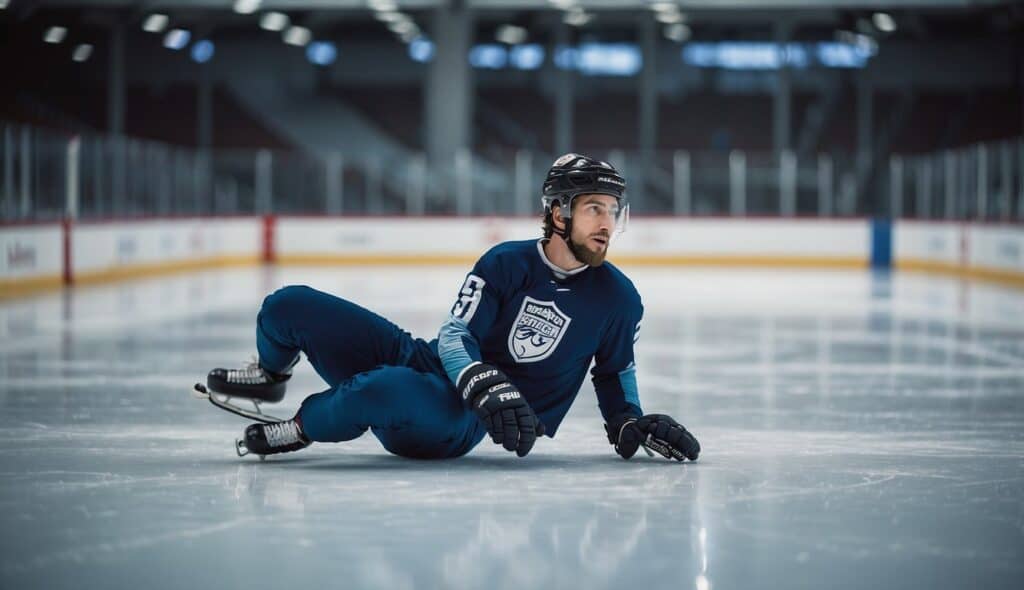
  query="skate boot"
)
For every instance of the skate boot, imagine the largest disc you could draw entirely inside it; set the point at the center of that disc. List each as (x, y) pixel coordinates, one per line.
(270, 439)
(251, 382)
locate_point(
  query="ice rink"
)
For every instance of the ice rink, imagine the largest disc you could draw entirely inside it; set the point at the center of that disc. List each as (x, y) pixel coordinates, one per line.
(858, 431)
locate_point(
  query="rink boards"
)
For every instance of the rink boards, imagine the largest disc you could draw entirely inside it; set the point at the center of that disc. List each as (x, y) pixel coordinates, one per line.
(43, 256)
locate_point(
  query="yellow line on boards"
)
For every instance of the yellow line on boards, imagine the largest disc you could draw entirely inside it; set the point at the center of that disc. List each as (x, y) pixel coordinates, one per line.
(981, 273)
(12, 288)
(135, 271)
(642, 260)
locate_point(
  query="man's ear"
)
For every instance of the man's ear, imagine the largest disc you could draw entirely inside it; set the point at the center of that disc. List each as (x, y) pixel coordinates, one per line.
(556, 217)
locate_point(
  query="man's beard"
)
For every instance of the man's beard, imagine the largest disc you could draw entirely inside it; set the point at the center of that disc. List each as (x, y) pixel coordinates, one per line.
(586, 255)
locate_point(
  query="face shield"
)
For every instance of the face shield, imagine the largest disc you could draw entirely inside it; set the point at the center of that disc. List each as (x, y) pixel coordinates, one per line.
(617, 213)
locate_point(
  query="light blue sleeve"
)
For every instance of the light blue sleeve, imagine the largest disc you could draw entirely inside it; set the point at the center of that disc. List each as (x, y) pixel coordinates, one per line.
(471, 317)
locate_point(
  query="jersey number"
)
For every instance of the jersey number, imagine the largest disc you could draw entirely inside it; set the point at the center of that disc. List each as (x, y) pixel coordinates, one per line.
(469, 298)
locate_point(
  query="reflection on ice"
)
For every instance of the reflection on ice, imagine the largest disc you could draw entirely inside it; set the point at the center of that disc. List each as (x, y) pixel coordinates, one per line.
(858, 431)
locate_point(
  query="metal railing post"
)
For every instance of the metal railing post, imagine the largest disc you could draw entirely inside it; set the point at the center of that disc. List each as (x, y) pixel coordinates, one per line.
(737, 183)
(683, 201)
(982, 179)
(523, 182)
(787, 183)
(263, 182)
(825, 192)
(896, 186)
(463, 182)
(333, 184)
(71, 178)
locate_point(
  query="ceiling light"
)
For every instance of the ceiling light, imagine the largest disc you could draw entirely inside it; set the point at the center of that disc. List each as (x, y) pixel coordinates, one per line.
(176, 39)
(202, 51)
(321, 53)
(81, 52)
(246, 6)
(297, 36)
(883, 22)
(383, 5)
(389, 16)
(510, 34)
(155, 23)
(577, 18)
(274, 21)
(54, 34)
(402, 27)
(678, 32)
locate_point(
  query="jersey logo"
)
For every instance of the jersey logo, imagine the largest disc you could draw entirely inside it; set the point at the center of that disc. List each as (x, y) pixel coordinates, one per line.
(538, 329)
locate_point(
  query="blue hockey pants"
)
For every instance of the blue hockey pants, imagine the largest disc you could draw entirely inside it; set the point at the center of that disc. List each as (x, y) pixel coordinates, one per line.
(380, 377)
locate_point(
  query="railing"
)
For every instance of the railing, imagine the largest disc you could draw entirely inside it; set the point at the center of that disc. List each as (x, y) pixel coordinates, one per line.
(48, 176)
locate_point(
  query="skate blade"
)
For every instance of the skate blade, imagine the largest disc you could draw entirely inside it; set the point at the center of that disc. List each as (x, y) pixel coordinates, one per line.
(225, 402)
(243, 450)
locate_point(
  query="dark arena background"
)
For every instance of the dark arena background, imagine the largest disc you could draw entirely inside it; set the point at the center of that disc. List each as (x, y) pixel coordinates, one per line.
(827, 232)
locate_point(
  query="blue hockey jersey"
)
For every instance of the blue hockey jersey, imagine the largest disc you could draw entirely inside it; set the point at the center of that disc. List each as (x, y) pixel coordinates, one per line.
(542, 326)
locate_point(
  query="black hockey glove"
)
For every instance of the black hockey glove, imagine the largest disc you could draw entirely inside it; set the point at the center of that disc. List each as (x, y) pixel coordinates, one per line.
(509, 419)
(656, 432)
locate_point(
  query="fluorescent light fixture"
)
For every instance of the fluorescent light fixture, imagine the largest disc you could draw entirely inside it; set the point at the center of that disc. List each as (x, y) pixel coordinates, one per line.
(600, 59)
(488, 56)
(176, 39)
(664, 7)
(321, 53)
(421, 49)
(563, 4)
(274, 21)
(155, 23)
(389, 16)
(866, 45)
(732, 55)
(247, 6)
(298, 36)
(678, 32)
(883, 22)
(55, 34)
(609, 59)
(383, 5)
(529, 56)
(202, 51)
(510, 34)
(402, 26)
(81, 52)
(668, 18)
(577, 18)
(840, 55)
(744, 55)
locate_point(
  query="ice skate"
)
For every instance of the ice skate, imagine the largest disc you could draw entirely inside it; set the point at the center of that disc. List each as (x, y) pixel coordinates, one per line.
(252, 383)
(272, 438)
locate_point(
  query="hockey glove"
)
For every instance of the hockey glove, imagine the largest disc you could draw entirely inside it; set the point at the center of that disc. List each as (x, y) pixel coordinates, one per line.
(656, 432)
(509, 419)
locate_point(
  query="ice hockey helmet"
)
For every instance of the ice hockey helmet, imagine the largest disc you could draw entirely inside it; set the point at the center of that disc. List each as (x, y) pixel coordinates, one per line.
(574, 174)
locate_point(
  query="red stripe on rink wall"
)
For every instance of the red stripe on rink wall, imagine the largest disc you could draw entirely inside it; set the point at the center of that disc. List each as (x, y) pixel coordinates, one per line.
(269, 253)
(65, 232)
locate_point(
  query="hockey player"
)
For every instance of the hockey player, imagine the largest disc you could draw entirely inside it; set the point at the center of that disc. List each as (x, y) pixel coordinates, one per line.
(508, 362)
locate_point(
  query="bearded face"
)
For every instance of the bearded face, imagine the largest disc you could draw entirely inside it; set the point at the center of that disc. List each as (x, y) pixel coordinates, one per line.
(593, 220)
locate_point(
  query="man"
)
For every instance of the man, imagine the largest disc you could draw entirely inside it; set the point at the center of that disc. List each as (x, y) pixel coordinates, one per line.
(508, 362)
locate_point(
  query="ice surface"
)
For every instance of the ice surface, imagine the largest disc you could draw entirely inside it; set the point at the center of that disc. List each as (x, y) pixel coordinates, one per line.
(859, 431)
